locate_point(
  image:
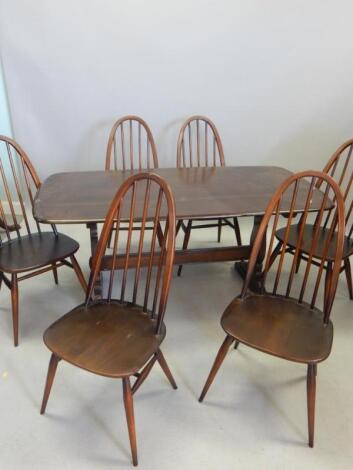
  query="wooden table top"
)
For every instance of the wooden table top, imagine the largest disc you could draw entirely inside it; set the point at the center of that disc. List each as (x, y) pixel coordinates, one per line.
(85, 196)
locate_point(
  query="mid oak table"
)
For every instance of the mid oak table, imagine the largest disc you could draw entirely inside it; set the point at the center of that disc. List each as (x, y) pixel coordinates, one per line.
(200, 193)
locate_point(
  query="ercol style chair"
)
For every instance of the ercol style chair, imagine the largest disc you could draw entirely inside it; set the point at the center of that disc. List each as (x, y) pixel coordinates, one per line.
(131, 146)
(24, 247)
(120, 335)
(283, 320)
(340, 167)
(199, 145)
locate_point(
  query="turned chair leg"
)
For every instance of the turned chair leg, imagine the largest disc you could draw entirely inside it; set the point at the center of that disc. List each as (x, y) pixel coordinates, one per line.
(165, 368)
(186, 241)
(311, 392)
(219, 230)
(14, 302)
(78, 272)
(129, 410)
(53, 363)
(237, 231)
(216, 365)
(348, 271)
(328, 280)
(55, 273)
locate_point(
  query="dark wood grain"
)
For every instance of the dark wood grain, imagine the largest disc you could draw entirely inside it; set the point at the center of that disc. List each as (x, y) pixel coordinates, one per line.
(119, 335)
(284, 319)
(340, 168)
(24, 249)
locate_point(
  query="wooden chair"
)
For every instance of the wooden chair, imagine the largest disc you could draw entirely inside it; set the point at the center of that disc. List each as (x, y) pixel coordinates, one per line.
(340, 167)
(199, 145)
(120, 335)
(131, 146)
(283, 320)
(24, 249)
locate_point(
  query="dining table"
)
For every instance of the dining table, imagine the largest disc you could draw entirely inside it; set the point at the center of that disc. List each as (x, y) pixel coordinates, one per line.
(83, 197)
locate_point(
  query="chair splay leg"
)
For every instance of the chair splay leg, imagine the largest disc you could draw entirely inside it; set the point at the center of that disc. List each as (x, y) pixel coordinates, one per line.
(53, 363)
(165, 368)
(144, 374)
(178, 227)
(237, 231)
(78, 272)
(311, 391)
(14, 301)
(219, 230)
(129, 410)
(216, 365)
(236, 344)
(55, 273)
(348, 271)
(160, 234)
(186, 241)
(274, 254)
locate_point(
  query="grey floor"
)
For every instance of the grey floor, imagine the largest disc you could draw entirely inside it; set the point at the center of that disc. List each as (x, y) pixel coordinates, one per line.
(254, 416)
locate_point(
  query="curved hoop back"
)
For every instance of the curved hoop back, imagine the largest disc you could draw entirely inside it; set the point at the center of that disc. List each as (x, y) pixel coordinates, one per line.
(18, 185)
(131, 146)
(296, 194)
(199, 144)
(142, 198)
(340, 168)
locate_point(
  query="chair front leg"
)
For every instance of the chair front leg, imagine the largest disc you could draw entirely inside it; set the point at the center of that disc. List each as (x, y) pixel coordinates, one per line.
(237, 231)
(55, 273)
(219, 230)
(186, 241)
(348, 272)
(14, 302)
(79, 273)
(53, 364)
(129, 410)
(216, 365)
(311, 393)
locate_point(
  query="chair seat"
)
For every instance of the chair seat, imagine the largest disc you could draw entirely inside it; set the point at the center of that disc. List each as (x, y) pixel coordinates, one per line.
(110, 339)
(34, 251)
(279, 326)
(307, 240)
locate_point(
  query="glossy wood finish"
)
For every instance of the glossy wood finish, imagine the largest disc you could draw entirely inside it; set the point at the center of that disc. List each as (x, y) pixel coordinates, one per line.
(22, 249)
(120, 334)
(131, 145)
(200, 145)
(199, 193)
(284, 319)
(340, 168)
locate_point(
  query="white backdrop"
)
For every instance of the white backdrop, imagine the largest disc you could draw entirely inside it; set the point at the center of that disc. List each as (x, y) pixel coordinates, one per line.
(276, 76)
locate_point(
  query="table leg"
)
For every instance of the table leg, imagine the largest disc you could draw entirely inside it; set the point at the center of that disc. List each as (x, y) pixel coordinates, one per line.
(241, 266)
(93, 233)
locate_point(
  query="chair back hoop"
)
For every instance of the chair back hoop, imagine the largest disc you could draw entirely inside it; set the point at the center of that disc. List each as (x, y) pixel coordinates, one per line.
(18, 185)
(131, 145)
(340, 168)
(297, 194)
(199, 144)
(152, 254)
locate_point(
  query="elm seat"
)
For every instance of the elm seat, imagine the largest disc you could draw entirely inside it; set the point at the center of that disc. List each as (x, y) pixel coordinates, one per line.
(35, 250)
(110, 339)
(308, 235)
(279, 326)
